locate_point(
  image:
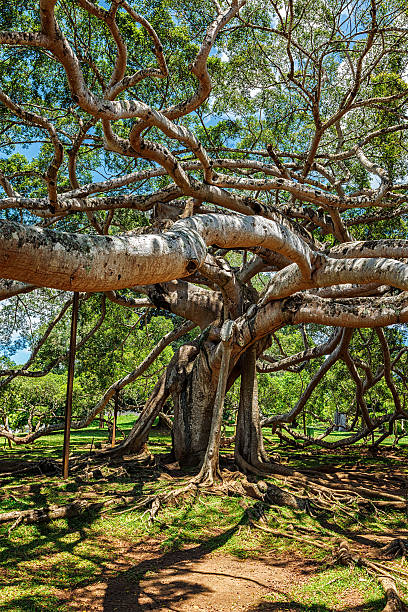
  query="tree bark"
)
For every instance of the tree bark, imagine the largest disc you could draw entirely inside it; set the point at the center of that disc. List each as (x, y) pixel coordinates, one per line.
(136, 442)
(210, 468)
(193, 398)
(249, 449)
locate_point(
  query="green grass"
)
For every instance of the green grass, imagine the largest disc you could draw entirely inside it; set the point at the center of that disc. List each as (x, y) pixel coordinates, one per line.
(327, 591)
(82, 440)
(51, 446)
(38, 562)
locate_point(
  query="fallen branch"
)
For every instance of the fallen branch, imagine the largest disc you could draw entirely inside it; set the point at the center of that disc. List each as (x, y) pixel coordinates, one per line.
(50, 513)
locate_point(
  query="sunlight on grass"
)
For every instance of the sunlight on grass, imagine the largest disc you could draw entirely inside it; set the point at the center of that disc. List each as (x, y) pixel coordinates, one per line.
(330, 587)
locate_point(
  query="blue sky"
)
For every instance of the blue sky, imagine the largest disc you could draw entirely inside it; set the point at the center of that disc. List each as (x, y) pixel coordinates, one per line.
(21, 356)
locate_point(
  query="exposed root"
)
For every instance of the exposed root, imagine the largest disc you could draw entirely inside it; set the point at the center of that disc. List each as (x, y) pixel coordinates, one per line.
(386, 576)
(208, 475)
(393, 601)
(287, 534)
(15, 524)
(261, 468)
(268, 494)
(396, 548)
(153, 503)
(272, 495)
(343, 555)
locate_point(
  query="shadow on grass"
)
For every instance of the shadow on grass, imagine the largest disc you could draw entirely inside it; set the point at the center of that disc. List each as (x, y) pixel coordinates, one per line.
(137, 588)
(43, 578)
(66, 555)
(38, 560)
(43, 559)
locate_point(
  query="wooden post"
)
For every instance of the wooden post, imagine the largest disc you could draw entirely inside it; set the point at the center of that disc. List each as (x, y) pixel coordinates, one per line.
(70, 381)
(6, 425)
(115, 418)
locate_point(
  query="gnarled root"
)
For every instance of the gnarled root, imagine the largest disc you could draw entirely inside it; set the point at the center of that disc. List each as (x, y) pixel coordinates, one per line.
(268, 493)
(279, 497)
(396, 548)
(153, 503)
(343, 555)
(261, 468)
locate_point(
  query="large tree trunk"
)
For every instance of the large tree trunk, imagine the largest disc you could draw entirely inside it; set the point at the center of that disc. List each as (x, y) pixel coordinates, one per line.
(210, 468)
(249, 451)
(193, 407)
(174, 377)
(194, 400)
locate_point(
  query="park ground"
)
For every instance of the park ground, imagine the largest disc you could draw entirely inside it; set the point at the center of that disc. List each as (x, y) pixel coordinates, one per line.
(204, 550)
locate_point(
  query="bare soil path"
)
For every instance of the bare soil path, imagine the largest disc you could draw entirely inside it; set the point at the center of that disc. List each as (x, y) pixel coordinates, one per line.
(144, 578)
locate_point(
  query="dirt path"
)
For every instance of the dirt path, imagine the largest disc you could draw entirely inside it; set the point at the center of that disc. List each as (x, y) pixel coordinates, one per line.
(190, 580)
(175, 582)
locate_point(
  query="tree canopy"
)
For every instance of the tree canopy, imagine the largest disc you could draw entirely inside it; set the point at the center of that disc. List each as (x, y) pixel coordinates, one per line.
(229, 177)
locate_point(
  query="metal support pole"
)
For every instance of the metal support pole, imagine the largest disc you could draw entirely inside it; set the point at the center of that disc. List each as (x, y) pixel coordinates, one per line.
(70, 382)
(115, 418)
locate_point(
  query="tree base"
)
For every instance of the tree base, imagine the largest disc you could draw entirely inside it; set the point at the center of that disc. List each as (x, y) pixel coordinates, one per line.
(260, 468)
